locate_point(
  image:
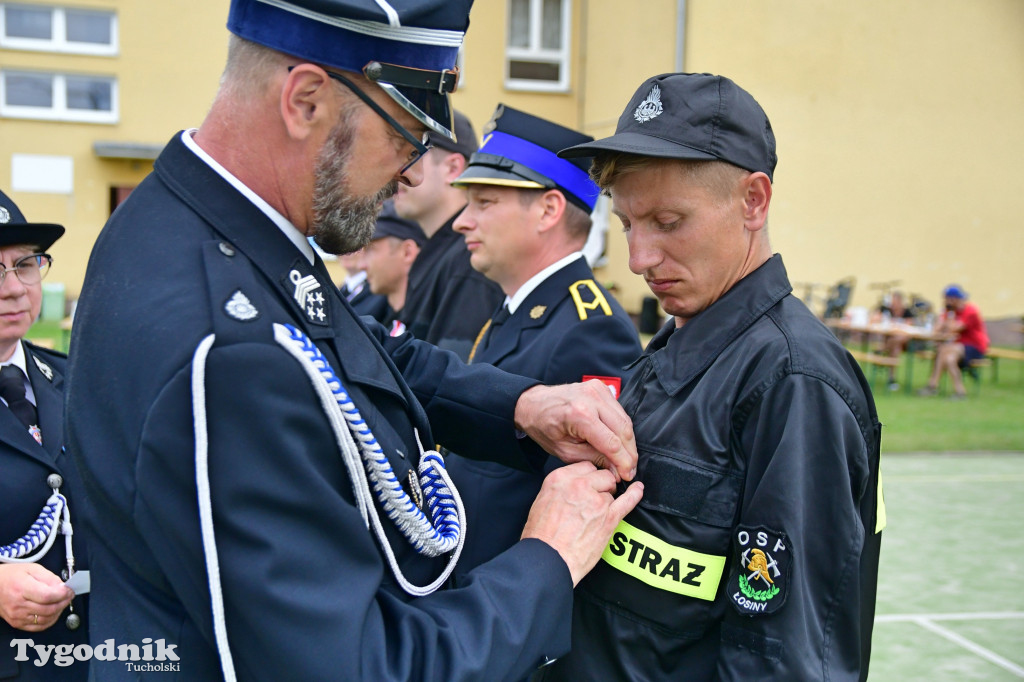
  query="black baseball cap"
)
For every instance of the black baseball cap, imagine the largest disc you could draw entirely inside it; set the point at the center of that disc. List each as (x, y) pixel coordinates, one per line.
(465, 137)
(14, 229)
(695, 116)
(389, 224)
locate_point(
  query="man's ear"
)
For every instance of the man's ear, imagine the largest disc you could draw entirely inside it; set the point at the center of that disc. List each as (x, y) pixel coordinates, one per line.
(757, 195)
(552, 204)
(409, 251)
(304, 100)
(454, 164)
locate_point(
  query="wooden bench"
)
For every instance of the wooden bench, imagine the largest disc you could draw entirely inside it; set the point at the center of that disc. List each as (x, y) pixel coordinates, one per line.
(875, 360)
(995, 354)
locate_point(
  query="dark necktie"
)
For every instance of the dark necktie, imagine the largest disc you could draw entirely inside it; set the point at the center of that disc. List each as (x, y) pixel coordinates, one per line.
(497, 320)
(501, 316)
(12, 389)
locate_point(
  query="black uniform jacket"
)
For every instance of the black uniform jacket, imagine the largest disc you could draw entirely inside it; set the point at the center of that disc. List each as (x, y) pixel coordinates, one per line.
(448, 301)
(754, 553)
(307, 592)
(552, 339)
(24, 468)
(365, 302)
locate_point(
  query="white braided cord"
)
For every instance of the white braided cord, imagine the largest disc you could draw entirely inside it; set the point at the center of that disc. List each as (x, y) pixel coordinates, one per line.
(369, 468)
(42, 534)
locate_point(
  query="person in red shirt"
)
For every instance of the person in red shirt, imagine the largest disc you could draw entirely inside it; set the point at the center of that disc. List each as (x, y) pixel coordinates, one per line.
(971, 343)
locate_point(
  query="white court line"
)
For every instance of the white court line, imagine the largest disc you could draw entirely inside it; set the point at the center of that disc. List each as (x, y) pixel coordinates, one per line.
(925, 621)
(914, 617)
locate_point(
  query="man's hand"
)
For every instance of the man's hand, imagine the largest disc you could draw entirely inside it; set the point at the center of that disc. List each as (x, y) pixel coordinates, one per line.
(576, 513)
(31, 597)
(579, 423)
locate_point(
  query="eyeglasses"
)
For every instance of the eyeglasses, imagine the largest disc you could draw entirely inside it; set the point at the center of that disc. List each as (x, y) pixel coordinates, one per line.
(420, 146)
(29, 270)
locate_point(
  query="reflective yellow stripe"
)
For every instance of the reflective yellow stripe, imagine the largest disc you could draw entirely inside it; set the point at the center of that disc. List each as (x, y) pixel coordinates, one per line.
(666, 567)
(583, 309)
(880, 519)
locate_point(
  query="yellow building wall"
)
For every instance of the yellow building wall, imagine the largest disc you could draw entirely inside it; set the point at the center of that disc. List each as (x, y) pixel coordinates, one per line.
(898, 123)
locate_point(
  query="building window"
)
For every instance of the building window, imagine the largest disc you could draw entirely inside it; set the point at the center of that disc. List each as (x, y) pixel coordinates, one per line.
(537, 55)
(58, 96)
(58, 29)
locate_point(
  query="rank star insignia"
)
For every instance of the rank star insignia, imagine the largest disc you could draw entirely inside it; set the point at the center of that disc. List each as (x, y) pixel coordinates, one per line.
(758, 584)
(310, 300)
(537, 310)
(240, 307)
(650, 108)
(44, 368)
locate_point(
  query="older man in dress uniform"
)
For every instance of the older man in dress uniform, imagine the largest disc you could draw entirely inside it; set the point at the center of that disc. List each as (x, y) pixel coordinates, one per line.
(261, 493)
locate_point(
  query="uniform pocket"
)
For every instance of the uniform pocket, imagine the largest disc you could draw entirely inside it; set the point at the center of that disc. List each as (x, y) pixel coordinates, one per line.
(665, 564)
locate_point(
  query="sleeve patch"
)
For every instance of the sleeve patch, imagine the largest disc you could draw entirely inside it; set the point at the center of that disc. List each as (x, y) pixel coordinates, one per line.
(760, 576)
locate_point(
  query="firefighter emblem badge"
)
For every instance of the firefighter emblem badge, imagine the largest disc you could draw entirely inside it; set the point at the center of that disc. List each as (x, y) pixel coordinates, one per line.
(44, 368)
(240, 307)
(650, 108)
(760, 576)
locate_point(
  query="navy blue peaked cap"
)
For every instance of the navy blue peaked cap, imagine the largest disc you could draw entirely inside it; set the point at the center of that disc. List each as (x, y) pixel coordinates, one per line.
(521, 150)
(14, 229)
(407, 47)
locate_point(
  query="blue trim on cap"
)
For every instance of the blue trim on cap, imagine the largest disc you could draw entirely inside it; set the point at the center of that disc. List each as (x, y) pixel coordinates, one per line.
(544, 161)
(328, 44)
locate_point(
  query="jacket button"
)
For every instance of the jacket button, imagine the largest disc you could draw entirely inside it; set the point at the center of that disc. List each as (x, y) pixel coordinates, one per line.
(226, 249)
(54, 480)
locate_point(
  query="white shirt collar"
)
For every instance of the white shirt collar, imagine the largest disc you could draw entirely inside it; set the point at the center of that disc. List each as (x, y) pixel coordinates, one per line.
(513, 302)
(285, 225)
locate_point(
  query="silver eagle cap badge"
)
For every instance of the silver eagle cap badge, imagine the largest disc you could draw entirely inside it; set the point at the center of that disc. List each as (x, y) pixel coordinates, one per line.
(651, 107)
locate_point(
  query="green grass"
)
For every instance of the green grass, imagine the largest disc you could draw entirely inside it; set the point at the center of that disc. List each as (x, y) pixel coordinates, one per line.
(991, 418)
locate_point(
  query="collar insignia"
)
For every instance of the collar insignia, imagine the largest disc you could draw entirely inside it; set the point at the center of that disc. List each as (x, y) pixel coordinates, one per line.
(651, 107)
(309, 299)
(758, 585)
(44, 368)
(537, 311)
(240, 307)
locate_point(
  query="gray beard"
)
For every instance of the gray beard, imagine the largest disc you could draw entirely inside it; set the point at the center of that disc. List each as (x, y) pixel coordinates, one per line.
(342, 223)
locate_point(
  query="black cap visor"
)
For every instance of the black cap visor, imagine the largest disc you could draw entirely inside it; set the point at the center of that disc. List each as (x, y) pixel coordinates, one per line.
(640, 145)
(490, 169)
(40, 235)
(424, 94)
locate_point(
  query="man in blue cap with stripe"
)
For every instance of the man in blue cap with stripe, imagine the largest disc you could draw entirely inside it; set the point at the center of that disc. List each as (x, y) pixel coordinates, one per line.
(527, 220)
(264, 502)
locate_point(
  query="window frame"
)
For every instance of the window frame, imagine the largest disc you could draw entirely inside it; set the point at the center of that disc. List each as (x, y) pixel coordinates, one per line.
(535, 53)
(59, 110)
(58, 42)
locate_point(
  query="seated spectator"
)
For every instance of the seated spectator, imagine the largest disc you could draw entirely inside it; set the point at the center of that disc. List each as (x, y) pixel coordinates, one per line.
(971, 342)
(393, 247)
(356, 290)
(895, 343)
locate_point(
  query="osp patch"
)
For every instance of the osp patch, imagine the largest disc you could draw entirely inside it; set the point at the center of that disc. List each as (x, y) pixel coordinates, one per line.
(758, 584)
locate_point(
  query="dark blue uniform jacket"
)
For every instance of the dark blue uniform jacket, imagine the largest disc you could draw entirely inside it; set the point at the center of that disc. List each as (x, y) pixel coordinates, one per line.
(307, 593)
(24, 468)
(754, 552)
(552, 339)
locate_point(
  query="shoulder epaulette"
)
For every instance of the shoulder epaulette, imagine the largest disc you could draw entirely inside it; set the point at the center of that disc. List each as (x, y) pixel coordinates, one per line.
(597, 299)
